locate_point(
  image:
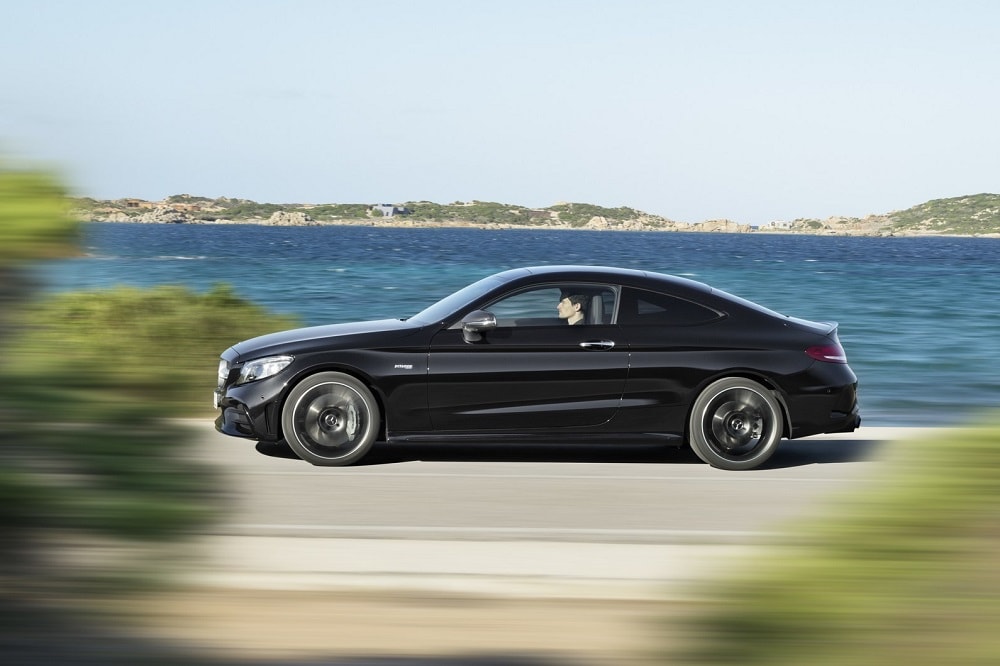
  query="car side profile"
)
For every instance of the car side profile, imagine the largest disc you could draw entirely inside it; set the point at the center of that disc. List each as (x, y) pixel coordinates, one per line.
(566, 353)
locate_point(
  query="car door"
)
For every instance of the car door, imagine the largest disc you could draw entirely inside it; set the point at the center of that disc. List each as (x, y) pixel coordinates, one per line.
(673, 347)
(532, 370)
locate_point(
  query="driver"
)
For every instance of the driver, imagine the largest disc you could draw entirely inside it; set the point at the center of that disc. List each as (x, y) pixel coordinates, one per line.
(572, 308)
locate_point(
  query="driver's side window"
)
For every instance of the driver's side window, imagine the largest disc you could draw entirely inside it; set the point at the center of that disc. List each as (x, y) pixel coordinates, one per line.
(534, 307)
(540, 306)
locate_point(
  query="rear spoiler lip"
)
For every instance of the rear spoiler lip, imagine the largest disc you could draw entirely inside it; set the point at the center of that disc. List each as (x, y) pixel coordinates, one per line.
(828, 328)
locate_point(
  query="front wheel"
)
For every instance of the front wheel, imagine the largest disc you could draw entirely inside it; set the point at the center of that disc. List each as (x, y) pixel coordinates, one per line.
(330, 419)
(735, 424)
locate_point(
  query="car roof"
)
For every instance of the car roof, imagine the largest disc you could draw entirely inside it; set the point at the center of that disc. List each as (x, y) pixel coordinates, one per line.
(640, 279)
(516, 278)
(629, 276)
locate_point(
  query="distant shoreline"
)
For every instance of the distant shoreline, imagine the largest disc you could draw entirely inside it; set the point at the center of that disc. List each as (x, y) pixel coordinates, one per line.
(976, 216)
(449, 224)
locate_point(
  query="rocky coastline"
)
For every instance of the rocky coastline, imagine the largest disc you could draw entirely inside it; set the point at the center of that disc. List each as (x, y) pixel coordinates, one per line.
(172, 215)
(178, 210)
(873, 226)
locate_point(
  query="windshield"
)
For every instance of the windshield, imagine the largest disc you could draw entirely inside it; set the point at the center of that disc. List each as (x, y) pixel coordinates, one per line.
(448, 305)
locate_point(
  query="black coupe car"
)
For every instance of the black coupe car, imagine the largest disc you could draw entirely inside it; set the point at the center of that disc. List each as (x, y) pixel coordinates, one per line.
(532, 354)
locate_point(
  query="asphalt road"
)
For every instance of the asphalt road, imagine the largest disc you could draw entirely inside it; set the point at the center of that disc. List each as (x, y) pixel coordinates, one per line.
(596, 521)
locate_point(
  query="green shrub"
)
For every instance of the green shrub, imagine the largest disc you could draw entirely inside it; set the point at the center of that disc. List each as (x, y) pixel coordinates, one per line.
(89, 395)
(974, 214)
(578, 214)
(34, 217)
(478, 212)
(902, 572)
(163, 344)
(90, 384)
(339, 212)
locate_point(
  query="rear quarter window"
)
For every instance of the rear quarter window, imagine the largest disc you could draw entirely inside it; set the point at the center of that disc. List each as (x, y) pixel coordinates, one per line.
(650, 308)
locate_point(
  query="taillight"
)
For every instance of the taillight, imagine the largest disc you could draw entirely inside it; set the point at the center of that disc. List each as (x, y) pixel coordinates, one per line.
(828, 353)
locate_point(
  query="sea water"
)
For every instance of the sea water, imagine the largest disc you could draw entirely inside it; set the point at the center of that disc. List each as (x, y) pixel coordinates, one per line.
(918, 316)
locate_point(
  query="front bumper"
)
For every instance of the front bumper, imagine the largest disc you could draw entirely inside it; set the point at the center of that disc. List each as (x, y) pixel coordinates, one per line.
(252, 411)
(235, 421)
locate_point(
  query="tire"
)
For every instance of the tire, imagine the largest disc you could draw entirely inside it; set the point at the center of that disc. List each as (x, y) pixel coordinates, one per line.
(735, 424)
(330, 419)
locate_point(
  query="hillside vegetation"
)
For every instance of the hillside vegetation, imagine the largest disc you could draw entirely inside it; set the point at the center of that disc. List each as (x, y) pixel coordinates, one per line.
(977, 214)
(973, 215)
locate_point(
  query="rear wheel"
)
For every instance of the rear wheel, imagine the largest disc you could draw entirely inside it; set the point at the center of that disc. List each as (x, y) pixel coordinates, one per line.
(735, 424)
(330, 419)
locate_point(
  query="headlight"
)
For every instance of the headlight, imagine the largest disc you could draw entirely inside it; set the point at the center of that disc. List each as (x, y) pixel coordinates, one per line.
(263, 367)
(223, 372)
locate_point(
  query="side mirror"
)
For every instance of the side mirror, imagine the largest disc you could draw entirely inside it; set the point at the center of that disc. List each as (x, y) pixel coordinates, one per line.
(476, 323)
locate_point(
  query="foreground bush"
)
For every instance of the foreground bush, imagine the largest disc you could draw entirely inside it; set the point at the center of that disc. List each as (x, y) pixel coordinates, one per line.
(903, 572)
(89, 395)
(157, 347)
(34, 217)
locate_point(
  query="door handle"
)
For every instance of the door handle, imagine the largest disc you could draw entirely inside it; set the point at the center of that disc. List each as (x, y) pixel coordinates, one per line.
(598, 344)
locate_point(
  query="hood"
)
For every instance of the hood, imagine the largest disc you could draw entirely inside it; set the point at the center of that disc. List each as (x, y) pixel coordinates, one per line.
(296, 338)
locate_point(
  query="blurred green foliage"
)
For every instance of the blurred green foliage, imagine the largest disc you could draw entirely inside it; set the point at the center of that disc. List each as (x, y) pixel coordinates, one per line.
(902, 572)
(158, 346)
(34, 217)
(91, 384)
(91, 381)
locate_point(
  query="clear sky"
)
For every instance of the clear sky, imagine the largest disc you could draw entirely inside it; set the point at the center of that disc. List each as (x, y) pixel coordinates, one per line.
(749, 110)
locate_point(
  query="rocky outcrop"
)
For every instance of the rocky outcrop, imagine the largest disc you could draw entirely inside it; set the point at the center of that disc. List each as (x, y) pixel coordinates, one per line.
(641, 223)
(294, 219)
(720, 226)
(872, 225)
(159, 215)
(598, 223)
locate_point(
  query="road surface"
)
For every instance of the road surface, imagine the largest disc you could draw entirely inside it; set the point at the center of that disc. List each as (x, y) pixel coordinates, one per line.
(608, 521)
(483, 555)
